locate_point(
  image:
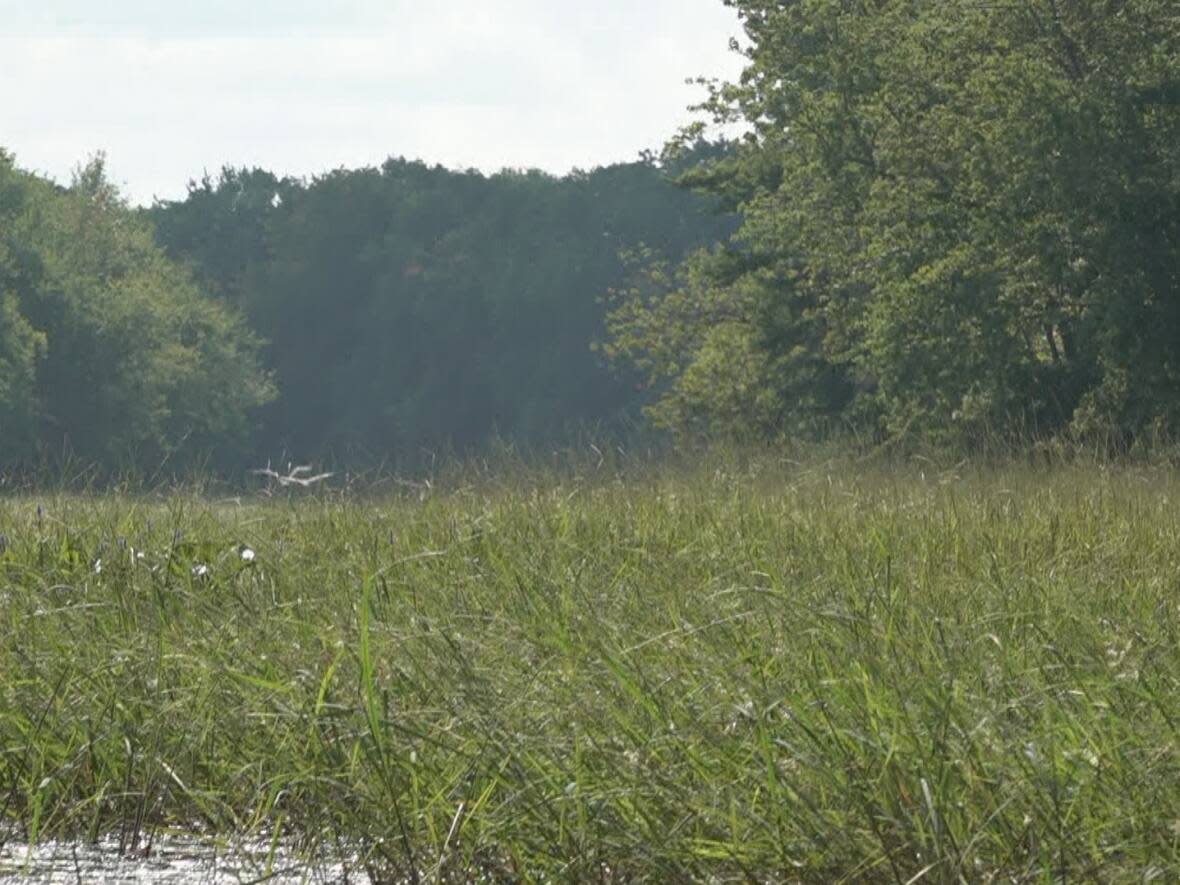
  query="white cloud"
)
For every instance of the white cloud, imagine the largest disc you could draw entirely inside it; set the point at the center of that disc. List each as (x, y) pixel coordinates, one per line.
(519, 83)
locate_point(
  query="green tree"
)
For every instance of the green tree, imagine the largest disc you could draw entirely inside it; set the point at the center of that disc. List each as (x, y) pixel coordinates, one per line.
(20, 344)
(222, 228)
(958, 218)
(108, 348)
(410, 306)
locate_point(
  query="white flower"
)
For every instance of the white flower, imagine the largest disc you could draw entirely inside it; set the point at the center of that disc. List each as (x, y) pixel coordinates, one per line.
(247, 554)
(200, 570)
(98, 566)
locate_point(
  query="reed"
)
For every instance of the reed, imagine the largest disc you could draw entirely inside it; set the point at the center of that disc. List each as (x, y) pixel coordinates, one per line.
(751, 671)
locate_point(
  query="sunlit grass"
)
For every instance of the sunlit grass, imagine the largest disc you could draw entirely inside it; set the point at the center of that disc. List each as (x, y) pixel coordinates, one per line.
(776, 672)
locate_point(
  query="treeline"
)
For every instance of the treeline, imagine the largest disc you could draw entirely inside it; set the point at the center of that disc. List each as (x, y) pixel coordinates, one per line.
(961, 223)
(363, 316)
(948, 221)
(109, 353)
(412, 307)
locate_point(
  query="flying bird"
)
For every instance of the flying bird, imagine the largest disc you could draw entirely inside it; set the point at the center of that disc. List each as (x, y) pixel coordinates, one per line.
(296, 476)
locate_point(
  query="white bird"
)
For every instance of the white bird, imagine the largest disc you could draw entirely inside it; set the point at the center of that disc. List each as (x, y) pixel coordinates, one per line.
(295, 475)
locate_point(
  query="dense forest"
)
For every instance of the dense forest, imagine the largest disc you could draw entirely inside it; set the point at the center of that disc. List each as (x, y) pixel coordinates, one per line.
(943, 221)
(363, 316)
(109, 352)
(411, 307)
(961, 222)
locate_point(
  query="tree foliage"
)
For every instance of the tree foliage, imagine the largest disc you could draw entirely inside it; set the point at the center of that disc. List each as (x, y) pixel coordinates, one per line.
(107, 349)
(410, 306)
(958, 217)
(950, 219)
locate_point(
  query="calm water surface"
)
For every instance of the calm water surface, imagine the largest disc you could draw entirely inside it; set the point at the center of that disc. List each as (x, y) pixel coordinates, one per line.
(171, 860)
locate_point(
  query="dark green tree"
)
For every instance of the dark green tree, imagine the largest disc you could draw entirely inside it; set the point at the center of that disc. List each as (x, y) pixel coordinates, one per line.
(222, 227)
(20, 344)
(108, 349)
(409, 306)
(959, 218)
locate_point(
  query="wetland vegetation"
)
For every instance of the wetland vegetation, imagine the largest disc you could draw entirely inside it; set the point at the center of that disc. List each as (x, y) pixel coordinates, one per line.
(949, 228)
(754, 670)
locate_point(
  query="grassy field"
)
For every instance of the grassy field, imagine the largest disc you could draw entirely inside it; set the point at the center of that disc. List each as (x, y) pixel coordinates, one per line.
(765, 672)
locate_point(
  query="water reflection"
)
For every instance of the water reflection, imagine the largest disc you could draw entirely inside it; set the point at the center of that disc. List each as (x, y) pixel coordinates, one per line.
(172, 859)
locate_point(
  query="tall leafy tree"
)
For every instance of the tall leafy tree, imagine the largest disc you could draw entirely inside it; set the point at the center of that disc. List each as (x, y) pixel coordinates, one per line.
(20, 344)
(959, 218)
(109, 351)
(222, 228)
(410, 306)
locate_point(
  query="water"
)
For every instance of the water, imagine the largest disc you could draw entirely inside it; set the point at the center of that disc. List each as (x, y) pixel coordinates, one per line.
(172, 859)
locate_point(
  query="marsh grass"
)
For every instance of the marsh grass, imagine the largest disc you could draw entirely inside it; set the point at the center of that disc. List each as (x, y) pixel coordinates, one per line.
(751, 671)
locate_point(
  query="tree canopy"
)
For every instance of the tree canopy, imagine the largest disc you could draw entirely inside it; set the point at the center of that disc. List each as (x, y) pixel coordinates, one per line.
(410, 306)
(365, 314)
(108, 352)
(959, 219)
(946, 220)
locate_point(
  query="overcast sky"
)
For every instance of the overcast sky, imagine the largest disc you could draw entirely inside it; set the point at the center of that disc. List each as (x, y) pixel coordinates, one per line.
(170, 88)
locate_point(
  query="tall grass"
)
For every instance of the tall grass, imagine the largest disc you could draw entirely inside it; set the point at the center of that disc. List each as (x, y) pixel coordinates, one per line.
(754, 672)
